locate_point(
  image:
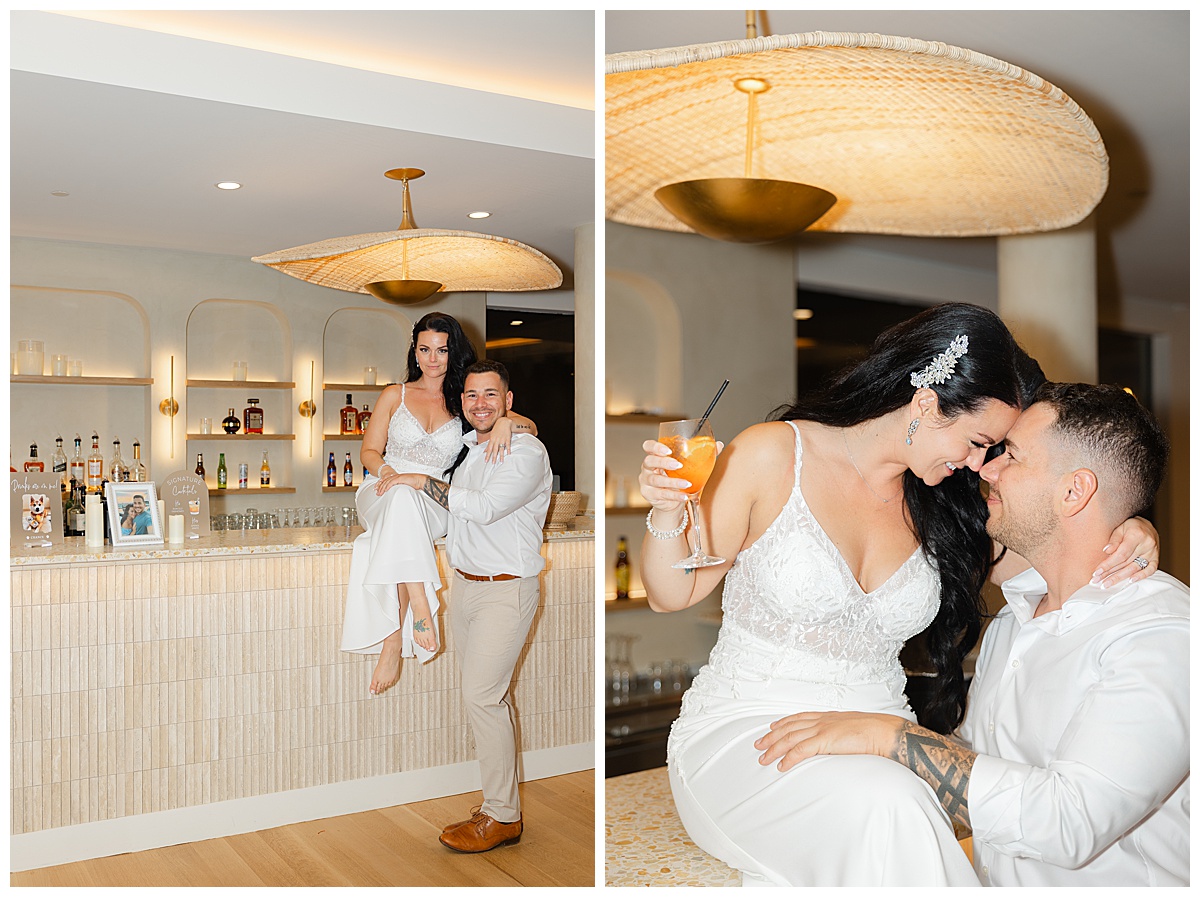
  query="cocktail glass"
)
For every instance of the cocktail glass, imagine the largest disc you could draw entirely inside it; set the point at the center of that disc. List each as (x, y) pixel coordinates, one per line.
(693, 445)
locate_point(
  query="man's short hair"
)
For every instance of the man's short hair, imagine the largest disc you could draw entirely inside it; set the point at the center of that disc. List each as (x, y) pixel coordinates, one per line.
(487, 366)
(1113, 431)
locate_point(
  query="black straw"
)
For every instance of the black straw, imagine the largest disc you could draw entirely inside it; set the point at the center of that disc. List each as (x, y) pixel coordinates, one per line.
(711, 407)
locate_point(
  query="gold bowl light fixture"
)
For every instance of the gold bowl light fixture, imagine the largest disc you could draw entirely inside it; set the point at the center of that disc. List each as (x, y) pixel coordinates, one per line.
(410, 264)
(854, 133)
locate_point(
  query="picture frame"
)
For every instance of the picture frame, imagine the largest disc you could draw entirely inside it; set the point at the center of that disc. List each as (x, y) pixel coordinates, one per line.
(133, 517)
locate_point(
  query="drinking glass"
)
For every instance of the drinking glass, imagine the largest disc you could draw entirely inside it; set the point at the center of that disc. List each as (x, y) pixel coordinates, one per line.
(693, 445)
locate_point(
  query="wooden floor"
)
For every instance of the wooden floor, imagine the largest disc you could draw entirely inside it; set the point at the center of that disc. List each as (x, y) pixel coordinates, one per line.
(393, 846)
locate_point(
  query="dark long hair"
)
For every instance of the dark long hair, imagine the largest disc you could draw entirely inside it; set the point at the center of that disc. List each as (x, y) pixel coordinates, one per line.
(948, 519)
(461, 356)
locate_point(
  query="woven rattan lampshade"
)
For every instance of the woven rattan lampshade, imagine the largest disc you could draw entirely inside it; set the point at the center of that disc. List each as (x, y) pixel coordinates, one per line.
(912, 137)
(390, 264)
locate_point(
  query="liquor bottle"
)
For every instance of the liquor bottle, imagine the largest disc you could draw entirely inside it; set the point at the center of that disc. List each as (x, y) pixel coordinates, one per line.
(364, 418)
(349, 417)
(77, 468)
(58, 464)
(200, 465)
(222, 473)
(264, 476)
(253, 416)
(331, 472)
(137, 470)
(231, 423)
(95, 467)
(117, 471)
(348, 472)
(622, 570)
(243, 475)
(34, 464)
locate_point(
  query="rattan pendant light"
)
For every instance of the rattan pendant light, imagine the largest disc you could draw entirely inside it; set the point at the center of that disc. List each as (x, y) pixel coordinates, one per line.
(410, 264)
(907, 136)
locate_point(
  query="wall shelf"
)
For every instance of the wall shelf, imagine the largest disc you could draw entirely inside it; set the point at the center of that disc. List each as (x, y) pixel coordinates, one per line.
(634, 418)
(82, 381)
(239, 384)
(339, 437)
(355, 387)
(341, 488)
(252, 490)
(248, 437)
(635, 601)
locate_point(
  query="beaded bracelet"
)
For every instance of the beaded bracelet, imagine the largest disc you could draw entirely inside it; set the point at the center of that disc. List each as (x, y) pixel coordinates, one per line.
(658, 534)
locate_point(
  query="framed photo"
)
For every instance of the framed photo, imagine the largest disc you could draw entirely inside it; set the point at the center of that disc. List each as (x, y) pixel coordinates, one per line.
(36, 517)
(133, 514)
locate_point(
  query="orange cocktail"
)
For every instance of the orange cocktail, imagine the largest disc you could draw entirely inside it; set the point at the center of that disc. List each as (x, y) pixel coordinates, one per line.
(698, 455)
(693, 445)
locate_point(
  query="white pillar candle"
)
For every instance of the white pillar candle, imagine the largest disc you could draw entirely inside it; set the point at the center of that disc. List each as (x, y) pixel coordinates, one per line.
(176, 529)
(93, 517)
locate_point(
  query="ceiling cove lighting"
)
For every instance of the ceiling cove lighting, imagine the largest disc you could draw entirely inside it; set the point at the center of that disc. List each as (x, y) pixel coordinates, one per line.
(410, 264)
(756, 140)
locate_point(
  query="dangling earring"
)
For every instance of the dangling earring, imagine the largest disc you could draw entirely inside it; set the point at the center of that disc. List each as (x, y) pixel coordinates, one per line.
(912, 428)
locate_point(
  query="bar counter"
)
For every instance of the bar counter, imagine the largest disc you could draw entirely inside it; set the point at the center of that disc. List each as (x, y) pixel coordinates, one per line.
(173, 693)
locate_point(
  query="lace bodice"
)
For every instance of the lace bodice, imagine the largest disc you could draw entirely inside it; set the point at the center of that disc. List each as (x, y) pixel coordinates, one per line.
(793, 610)
(411, 450)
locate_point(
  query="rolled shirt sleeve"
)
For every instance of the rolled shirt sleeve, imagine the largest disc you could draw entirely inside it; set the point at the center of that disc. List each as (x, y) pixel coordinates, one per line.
(1122, 752)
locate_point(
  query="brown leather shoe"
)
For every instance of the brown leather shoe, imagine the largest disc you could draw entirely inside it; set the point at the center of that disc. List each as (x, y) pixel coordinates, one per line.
(474, 810)
(480, 833)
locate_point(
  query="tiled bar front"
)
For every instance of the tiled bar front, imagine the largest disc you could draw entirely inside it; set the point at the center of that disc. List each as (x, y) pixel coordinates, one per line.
(177, 679)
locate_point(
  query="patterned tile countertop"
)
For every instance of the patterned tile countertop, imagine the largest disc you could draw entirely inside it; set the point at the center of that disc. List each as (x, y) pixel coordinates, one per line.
(236, 542)
(645, 844)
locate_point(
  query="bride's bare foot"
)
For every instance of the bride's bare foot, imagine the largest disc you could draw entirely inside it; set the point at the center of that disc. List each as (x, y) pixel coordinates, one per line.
(387, 671)
(423, 633)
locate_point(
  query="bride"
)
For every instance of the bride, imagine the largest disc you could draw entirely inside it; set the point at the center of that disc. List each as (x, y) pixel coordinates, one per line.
(855, 522)
(391, 603)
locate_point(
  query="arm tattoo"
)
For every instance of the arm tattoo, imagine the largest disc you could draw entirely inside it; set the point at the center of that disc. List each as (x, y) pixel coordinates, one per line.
(525, 428)
(438, 491)
(944, 764)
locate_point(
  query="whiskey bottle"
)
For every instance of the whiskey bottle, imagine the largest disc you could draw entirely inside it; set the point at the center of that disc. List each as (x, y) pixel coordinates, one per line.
(58, 464)
(77, 467)
(349, 418)
(264, 476)
(34, 464)
(231, 423)
(622, 569)
(137, 470)
(200, 465)
(331, 472)
(364, 418)
(253, 417)
(222, 472)
(348, 472)
(117, 471)
(95, 467)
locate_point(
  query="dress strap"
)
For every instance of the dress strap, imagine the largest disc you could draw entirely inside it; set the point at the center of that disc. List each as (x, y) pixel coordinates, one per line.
(796, 459)
(402, 385)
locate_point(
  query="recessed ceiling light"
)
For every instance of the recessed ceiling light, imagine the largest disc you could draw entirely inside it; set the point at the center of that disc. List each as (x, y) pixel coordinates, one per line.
(515, 323)
(802, 314)
(229, 185)
(479, 214)
(59, 193)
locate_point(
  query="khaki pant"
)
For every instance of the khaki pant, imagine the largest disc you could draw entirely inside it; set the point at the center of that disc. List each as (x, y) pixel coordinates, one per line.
(490, 621)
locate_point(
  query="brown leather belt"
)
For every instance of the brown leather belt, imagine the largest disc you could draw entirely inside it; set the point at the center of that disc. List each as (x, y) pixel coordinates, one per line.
(499, 577)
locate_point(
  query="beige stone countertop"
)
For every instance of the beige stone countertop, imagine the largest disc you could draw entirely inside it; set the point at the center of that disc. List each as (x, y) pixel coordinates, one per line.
(224, 543)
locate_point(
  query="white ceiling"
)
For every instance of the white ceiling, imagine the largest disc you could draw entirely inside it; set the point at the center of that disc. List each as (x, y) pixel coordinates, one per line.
(1128, 70)
(137, 116)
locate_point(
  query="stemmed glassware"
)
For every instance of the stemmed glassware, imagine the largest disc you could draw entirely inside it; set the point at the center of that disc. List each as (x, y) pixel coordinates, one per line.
(693, 445)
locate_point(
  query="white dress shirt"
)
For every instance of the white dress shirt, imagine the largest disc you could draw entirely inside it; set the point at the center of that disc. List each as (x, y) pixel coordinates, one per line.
(1080, 719)
(497, 510)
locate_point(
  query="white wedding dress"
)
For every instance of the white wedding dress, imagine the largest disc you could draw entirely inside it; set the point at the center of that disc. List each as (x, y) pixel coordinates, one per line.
(399, 529)
(799, 634)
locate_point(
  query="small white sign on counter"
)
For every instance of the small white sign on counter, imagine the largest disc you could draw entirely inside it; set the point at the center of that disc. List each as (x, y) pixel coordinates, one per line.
(36, 515)
(184, 493)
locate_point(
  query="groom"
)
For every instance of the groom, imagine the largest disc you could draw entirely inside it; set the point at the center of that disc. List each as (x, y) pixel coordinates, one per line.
(1073, 765)
(494, 545)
